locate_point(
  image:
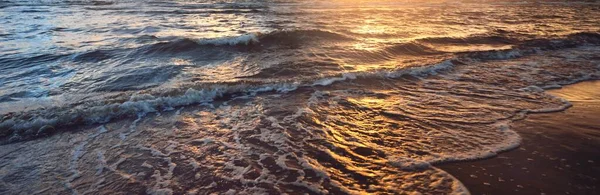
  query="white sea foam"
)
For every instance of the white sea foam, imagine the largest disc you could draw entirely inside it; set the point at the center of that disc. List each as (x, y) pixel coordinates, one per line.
(104, 113)
(329, 81)
(231, 41)
(408, 163)
(421, 70)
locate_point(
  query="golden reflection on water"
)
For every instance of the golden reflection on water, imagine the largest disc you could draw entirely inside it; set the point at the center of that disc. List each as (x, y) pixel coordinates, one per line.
(368, 101)
(472, 47)
(582, 92)
(371, 26)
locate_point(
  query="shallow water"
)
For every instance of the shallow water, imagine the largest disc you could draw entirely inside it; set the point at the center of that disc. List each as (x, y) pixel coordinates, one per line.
(558, 154)
(275, 96)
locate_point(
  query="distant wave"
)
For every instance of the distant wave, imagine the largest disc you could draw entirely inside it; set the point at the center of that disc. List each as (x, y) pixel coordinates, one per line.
(299, 37)
(276, 37)
(535, 45)
(412, 48)
(19, 62)
(299, 34)
(250, 40)
(475, 39)
(290, 38)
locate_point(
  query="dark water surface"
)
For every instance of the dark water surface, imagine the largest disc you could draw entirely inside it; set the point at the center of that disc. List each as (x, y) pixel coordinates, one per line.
(256, 97)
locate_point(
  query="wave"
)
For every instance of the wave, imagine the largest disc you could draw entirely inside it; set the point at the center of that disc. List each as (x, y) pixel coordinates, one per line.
(298, 37)
(281, 38)
(173, 45)
(534, 46)
(231, 41)
(337, 129)
(417, 48)
(36, 123)
(278, 37)
(511, 38)
(386, 53)
(66, 2)
(412, 48)
(474, 39)
(178, 44)
(17, 62)
(93, 56)
(170, 47)
(300, 34)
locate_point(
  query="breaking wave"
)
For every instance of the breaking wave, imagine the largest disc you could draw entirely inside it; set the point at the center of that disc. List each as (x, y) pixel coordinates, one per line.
(30, 124)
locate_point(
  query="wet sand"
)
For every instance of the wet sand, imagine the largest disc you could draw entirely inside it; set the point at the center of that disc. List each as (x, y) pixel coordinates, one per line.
(560, 152)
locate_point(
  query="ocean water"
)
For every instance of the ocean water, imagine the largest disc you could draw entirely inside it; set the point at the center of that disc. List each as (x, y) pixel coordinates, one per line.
(269, 97)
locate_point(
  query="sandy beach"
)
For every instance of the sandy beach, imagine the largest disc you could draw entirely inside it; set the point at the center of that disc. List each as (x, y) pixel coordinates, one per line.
(559, 153)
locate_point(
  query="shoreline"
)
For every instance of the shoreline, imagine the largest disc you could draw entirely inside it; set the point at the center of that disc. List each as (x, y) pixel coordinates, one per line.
(558, 154)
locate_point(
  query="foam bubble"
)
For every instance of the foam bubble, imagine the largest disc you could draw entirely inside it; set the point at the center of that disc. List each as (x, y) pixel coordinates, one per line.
(245, 39)
(329, 81)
